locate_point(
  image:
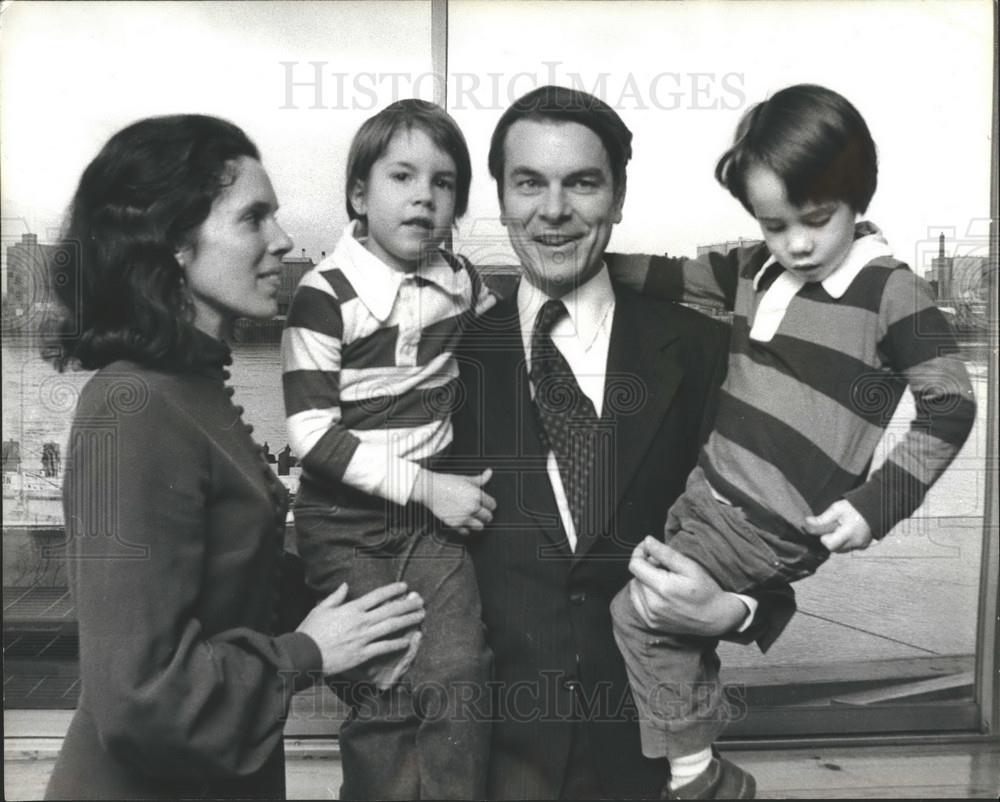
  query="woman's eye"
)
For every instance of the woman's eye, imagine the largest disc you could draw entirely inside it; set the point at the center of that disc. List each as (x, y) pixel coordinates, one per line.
(818, 222)
(444, 183)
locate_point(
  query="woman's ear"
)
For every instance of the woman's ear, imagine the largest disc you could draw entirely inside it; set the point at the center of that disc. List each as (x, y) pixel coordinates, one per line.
(359, 198)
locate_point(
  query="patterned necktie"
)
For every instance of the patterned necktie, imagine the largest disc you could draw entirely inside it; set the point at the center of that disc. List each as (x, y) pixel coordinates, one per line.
(566, 416)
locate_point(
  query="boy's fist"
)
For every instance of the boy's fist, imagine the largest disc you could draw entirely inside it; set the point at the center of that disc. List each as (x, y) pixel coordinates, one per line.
(840, 528)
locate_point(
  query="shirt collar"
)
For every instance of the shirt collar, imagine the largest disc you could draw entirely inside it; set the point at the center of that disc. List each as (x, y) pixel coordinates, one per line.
(868, 244)
(377, 284)
(589, 306)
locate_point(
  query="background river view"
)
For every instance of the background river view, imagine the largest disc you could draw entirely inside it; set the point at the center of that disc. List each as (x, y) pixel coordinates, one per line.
(38, 408)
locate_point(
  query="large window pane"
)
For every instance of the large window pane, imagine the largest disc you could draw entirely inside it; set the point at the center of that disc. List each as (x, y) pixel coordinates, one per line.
(299, 78)
(885, 639)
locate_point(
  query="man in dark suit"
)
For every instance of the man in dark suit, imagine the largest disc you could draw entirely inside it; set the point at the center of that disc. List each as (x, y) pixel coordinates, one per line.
(582, 474)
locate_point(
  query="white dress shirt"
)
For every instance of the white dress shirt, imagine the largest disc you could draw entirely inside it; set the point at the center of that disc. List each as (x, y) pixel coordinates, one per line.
(582, 338)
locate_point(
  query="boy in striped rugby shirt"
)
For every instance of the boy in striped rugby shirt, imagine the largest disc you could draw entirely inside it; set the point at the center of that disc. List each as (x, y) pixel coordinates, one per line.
(828, 331)
(369, 381)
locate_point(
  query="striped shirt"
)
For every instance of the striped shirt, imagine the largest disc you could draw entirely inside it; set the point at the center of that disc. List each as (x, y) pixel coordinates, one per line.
(816, 371)
(368, 369)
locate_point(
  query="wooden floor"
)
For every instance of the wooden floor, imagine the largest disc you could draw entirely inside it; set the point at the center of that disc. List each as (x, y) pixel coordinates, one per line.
(965, 771)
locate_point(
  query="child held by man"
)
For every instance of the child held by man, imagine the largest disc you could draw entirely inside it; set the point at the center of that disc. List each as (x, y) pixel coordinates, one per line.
(369, 381)
(828, 331)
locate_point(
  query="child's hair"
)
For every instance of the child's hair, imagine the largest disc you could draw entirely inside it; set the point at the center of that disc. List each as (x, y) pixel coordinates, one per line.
(813, 139)
(373, 138)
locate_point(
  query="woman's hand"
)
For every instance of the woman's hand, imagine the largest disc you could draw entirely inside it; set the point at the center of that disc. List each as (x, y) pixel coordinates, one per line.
(352, 633)
(673, 593)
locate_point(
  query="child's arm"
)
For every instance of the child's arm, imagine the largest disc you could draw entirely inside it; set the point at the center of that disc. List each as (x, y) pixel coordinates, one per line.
(709, 280)
(310, 364)
(920, 345)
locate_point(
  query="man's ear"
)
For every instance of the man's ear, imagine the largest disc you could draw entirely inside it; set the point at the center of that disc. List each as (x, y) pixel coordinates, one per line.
(359, 198)
(616, 210)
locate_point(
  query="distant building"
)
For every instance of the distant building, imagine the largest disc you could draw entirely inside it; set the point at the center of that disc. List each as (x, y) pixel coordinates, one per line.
(293, 269)
(940, 273)
(31, 269)
(27, 271)
(728, 245)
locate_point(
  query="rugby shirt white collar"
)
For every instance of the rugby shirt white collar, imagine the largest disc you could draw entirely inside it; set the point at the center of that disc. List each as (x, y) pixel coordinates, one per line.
(377, 284)
(868, 244)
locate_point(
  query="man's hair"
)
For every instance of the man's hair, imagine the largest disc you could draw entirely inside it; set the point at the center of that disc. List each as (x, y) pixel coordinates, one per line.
(373, 138)
(140, 200)
(561, 104)
(816, 142)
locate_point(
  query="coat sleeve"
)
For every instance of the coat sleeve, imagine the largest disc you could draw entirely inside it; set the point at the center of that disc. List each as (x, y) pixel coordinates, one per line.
(709, 281)
(167, 698)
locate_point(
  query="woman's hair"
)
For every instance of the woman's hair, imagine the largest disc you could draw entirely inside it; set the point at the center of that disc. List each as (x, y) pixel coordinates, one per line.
(373, 138)
(138, 202)
(816, 142)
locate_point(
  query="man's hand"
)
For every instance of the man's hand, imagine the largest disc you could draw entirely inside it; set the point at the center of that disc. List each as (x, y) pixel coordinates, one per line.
(672, 593)
(457, 501)
(840, 528)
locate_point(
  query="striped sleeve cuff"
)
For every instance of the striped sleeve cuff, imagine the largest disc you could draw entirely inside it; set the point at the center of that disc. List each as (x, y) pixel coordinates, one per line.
(374, 472)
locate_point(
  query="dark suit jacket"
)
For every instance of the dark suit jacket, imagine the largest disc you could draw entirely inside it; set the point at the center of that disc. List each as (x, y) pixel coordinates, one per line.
(545, 607)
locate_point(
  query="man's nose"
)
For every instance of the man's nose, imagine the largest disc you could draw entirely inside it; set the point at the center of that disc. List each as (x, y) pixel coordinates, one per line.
(554, 205)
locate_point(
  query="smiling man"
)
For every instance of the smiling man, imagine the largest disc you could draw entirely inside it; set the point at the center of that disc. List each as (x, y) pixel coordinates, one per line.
(590, 403)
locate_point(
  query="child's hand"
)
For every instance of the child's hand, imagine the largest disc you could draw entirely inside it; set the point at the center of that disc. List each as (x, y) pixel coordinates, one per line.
(840, 528)
(457, 501)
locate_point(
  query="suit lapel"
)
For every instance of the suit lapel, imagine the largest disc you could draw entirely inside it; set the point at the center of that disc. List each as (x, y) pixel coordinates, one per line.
(642, 378)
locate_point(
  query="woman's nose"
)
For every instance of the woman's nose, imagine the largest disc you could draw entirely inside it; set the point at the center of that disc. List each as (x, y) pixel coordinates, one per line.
(281, 243)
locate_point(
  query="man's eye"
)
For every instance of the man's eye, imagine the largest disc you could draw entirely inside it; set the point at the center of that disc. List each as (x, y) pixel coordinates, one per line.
(773, 228)
(817, 222)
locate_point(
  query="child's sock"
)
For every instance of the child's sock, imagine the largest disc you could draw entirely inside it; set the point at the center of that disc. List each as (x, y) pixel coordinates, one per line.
(684, 769)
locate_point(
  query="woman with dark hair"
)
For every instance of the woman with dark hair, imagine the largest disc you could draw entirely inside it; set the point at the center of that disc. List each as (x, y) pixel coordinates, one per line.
(174, 520)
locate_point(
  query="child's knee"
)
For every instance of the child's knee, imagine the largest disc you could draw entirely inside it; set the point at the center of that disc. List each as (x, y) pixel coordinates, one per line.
(624, 617)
